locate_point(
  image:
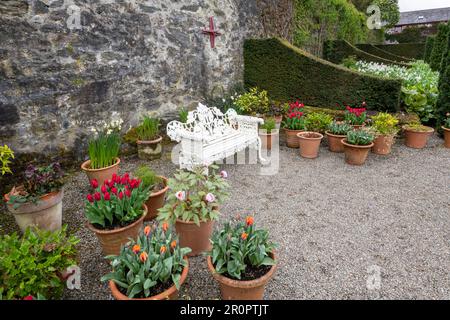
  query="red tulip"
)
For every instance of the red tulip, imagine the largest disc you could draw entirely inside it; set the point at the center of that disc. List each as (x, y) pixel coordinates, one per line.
(107, 196)
(28, 298)
(97, 196)
(103, 189)
(128, 193)
(120, 195)
(90, 198)
(114, 177)
(94, 183)
(114, 190)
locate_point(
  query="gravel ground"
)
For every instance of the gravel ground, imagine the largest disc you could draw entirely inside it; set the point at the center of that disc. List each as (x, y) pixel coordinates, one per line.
(335, 224)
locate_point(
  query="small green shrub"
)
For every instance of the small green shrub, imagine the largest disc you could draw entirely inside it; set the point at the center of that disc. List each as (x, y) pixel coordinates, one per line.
(148, 177)
(443, 101)
(417, 127)
(385, 124)
(318, 121)
(6, 154)
(253, 102)
(360, 137)
(447, 121)
(269, 125)
(148, 129)
(339, 129)
(183, 115)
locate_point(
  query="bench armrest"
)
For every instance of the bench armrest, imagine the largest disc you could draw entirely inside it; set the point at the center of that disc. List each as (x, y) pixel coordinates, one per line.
(177, 131)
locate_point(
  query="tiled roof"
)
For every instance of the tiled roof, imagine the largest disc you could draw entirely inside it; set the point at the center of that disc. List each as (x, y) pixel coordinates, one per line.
(424, 16)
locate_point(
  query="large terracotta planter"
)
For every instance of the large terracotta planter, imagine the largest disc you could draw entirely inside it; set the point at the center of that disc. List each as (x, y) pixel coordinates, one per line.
(268, 138)
(156, 201)
(309, 143)
(335, 142)
(112, 240)
(169, 294)
(446, 137)
(46, 214)
(417, 139)
(356, 155)
(149, 150)
(291, 138)
(382, 145)
(100, 174)
(241, 290)
(195, 237)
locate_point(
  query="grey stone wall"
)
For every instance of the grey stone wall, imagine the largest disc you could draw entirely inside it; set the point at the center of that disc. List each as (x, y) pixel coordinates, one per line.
(60, 75)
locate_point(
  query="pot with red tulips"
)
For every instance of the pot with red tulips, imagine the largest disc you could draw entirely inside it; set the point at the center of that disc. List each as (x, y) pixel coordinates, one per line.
(356, 116)
(116, 211)
(294, 123)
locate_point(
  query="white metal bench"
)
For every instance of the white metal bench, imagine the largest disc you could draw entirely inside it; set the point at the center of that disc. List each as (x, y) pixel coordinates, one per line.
(209, 136)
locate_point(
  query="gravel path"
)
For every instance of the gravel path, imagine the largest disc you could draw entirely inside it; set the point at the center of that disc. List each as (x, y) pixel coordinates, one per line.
(335, 225)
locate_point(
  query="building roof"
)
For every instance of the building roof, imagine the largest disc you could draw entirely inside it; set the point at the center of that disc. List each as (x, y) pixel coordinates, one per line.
(424, 16)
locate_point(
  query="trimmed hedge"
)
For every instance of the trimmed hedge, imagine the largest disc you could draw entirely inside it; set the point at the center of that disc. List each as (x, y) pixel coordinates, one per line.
(429, 48)
(337, 50)
(439, 47)
(443, 103)
(414, 51)
(289, 73)
(370, 48)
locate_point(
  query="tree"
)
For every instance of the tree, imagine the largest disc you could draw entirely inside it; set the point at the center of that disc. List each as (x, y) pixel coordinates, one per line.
(443, 103)
(429, 48)
(439, 47)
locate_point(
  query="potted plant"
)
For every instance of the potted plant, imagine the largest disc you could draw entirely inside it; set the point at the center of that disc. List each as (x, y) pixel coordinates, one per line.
(34, 265)
(158, 188)
(6, 154)
(267, 133)
(38, 200)
(116, 211)
(446, 128)
(294, 123)
(183, 115)
(385, 127)
(104, 159)
(192, 205)
(242, 260)
(318, 122)
(149, 141)
(357, 145)
(356, 116)
(335, 133)
(309, 142)
(152, 268)
(255, 102)
(417, 135)
(277, 111)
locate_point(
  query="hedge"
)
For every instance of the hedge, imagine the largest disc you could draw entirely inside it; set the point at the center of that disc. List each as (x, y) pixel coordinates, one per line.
(289, 73)
(439, 47)
(429, 48)
(370, 48)
(443, 103)
(337, 50)
(414, 51)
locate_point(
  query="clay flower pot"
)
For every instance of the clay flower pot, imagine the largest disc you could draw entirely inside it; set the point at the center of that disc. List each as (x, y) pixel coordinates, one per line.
(417, 139)
(268, 138)
(358, 126)
(149, 150)
(335, 142)
(195, 237)
(356, 155)
(446, 137)
(241, 290)
(46, 214)
(309, 143)
(291, 138)
(382, 145)
(112, 240)
(100, 174)
(156, 201)
(169, 294)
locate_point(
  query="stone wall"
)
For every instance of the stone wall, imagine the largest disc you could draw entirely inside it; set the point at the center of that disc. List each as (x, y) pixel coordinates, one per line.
(67, 64)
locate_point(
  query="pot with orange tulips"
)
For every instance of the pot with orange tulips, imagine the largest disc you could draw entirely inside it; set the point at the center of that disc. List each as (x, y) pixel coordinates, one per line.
(242, 260)
(152, 268)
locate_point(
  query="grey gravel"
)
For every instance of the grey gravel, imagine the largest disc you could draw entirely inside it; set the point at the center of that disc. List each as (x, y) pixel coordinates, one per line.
(331, 221)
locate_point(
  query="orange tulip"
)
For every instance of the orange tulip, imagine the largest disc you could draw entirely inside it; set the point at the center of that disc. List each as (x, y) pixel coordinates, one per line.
(244, 236)
(136, 248)
(173, 244)
(147, 230)
(249, 220)
(143, 257)
(165, 226)
(163, 249)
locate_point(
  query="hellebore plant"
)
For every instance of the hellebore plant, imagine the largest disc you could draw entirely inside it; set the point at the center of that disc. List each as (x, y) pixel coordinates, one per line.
(295, 119)
(356, 116)
(194, 196)
(155, 259)
(116, 203)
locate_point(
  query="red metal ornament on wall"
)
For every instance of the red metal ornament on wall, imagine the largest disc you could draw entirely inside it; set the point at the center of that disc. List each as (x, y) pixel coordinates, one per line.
(212, 32)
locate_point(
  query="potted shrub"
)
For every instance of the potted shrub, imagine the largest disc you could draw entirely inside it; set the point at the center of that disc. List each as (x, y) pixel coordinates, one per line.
(309, 142)
(152, 268)
(417, 135)
(35, 265)
(104, 159)
(255, 102)
(356, 116)
(116, 211)
(149, 141)
(38, 200)
(294, 123)
(318, 122)
(277, 111)
(267, 133)
(357, 145)
(385, 127)
(335, 133)
(158, 188)
(242, 260)
(6, 154)
(446, 128)
(192, 205)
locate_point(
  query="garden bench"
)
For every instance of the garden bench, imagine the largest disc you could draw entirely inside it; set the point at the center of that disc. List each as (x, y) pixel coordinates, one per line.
(209, 136)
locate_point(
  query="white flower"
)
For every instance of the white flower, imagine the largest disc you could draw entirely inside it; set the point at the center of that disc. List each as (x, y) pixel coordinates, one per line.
(181, 195)
(223, 100)
(224, 174)
(210, 197)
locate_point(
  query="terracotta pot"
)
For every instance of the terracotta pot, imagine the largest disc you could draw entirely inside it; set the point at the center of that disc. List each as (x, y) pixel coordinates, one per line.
(268, 138)
(156, 201)
(46, 214)
(112, 240)
(291, 138)
(358, 126)
(335, 142)
(169, 294)
(382, 145)
(100, 174)
(241, 290)
(309, 143)
(195, 237)
(149, 150)
(446, 137)
(356, 155)
(417, 139)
